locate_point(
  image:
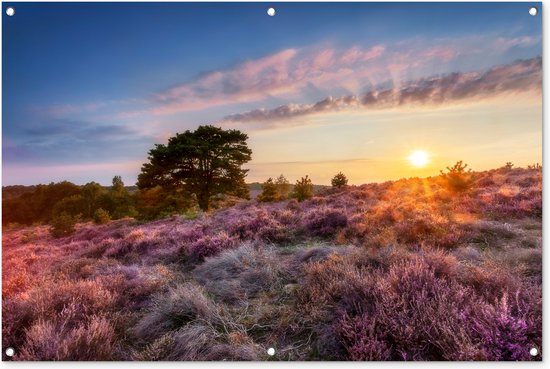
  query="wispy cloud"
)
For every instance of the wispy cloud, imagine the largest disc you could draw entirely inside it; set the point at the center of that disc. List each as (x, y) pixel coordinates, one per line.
(289, 72)
(520, 76)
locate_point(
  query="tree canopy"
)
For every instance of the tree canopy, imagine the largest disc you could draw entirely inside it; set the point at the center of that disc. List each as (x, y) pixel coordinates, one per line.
(339, 180)
(204, 162)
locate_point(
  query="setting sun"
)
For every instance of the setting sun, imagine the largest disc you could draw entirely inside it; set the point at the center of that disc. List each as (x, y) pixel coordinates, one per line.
(419, 158)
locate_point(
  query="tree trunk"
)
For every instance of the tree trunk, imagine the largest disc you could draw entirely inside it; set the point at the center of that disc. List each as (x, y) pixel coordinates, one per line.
(204, 201)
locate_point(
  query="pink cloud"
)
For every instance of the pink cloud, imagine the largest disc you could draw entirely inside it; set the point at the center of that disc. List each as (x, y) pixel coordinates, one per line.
(285, 72)
(289, 73)
(517, 77)
(503, 43)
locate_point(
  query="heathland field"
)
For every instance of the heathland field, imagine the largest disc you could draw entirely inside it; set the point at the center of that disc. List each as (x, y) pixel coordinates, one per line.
(401, 270)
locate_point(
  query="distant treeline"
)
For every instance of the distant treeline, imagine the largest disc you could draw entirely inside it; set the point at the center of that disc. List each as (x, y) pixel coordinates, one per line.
(10, 192)
(40, 203)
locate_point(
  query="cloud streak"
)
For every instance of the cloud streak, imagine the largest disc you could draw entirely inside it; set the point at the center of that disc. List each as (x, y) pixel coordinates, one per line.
(288, 73)
(517, 77)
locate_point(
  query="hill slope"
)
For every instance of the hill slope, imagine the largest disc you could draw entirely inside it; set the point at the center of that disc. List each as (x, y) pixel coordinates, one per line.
(404, 270)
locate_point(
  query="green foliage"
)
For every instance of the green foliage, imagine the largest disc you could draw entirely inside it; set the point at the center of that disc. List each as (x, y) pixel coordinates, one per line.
(508, 166)
(457, 178)
(42, 202)
(204, 162)
(275, 190)
(101, 216)
(37, 205)
(283, 187)
(10, 192)
(269, 191)
(92, 194)
(73, 205)
(156, 202)
(536, 166)
(190, 214)
(63, 224)
(118, 201)
(118, 185)
(303, 189)
(339, 180)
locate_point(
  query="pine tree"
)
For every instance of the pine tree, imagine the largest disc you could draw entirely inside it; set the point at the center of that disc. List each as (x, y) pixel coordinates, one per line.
(283, 187)
(339, 180)
(269, 191)
(303, 189)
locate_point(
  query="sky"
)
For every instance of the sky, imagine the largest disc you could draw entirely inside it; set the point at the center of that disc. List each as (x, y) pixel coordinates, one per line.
(89, 88)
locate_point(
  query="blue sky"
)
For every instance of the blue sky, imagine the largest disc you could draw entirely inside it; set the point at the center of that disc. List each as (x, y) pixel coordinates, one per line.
(88, 88)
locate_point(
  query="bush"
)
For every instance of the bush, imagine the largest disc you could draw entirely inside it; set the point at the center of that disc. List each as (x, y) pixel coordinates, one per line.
(535, 166)
(101, 216)
(269, 191)
(89, 341)
(73, 205)
(211, 245)
(339, 180)
(63, 225)
(260, 226)
(303, 189)
(326, 223)
(156, 202)
(283, 187)
(414, 307)
(457, 178)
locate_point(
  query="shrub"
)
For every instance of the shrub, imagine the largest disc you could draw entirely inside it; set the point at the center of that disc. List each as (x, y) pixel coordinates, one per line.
(259, 225)
(101, 216)
(283, 187)
(414, 307)
(51, 297)
(269, 191)
(326, 223)
(275, 232)
(504, 335)
(156, 202)
(73, 205)
(457, 178)
(211, 245)
(63, 225)
(92, 340)
(397, 294)
(359, 337)
(339, 180)
(303, 189)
